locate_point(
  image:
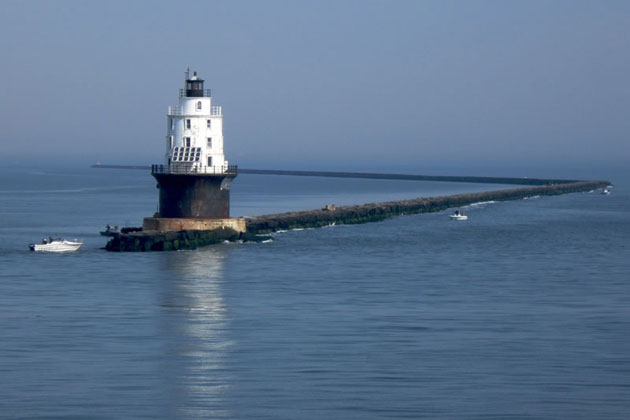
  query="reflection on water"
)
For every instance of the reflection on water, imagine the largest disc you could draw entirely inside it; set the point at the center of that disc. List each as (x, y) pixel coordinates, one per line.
(195, 323)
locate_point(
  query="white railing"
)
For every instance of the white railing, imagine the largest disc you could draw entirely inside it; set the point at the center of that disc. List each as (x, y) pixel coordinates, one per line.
(178, 111)
(175, 110)
(183, 169)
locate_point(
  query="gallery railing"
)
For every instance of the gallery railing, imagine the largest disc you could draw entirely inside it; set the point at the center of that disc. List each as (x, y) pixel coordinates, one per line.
(194, 170)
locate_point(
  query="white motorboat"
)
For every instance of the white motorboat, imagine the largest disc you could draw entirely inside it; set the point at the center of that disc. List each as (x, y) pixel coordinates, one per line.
(458, 215)
(56, 245)
(606, 191)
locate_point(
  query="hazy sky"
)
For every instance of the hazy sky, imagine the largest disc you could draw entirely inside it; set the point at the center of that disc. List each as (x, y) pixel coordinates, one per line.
(322, 84)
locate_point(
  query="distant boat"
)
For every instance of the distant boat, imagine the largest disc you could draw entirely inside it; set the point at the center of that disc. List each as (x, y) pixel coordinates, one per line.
(606, 191)
(56, 245)
(458, 215)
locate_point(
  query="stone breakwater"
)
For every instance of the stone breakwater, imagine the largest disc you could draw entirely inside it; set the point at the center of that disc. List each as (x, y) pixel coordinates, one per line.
(379, 211)
(152, 240)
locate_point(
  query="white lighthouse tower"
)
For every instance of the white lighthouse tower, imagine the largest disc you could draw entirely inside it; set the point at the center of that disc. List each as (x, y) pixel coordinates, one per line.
(194, 139)
(195, 179)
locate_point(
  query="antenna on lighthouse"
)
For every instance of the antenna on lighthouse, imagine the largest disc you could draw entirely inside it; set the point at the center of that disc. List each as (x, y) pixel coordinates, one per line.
(187, 73)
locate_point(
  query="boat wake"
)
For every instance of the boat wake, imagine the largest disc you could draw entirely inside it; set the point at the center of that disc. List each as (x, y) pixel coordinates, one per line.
(480, 203)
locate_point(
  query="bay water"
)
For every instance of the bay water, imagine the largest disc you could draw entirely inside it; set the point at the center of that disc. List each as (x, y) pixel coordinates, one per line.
(521, 312)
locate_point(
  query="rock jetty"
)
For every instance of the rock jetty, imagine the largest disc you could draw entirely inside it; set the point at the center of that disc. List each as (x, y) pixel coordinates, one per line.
(138, 240)
(152, 240)
(379, 211)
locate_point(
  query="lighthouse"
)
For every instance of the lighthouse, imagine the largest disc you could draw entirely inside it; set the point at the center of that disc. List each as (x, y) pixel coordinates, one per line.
(194, 180)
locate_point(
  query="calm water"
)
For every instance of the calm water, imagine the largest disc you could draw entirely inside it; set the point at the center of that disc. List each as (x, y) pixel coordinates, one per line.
(519, 313)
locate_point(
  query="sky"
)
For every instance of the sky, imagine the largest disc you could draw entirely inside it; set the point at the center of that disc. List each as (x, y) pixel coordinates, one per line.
(332, 85)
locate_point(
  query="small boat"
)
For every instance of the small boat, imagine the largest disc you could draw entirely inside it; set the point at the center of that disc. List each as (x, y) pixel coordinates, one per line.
(458, 215)
(56, 245)
(606, 191)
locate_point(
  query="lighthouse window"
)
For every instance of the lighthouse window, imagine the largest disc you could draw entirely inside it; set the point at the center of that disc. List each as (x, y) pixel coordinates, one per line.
(208, 123)
(199, 105)
(186, 141)
(209, 160)
(187, 123)
(186, 154)
(209, 142)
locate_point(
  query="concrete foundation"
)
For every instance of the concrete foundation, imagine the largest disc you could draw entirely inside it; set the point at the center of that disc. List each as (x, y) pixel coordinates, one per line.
(166, 224)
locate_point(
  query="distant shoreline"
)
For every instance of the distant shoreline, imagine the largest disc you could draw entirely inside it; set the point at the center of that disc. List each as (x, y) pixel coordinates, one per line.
(373, 175)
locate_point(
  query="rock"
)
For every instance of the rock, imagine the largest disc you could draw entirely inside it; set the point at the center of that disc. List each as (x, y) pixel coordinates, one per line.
(380, 211)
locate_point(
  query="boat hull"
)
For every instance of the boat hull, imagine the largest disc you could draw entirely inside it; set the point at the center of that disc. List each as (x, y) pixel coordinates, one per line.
(57, 246)
(458, 217)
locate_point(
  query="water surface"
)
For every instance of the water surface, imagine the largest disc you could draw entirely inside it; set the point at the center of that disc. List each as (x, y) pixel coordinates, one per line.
(519, 313)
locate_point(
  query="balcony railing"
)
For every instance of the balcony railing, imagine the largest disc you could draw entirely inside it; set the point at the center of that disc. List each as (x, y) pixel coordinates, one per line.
(206, 93)
(175, 110)
(194, 170)
(178, 111)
